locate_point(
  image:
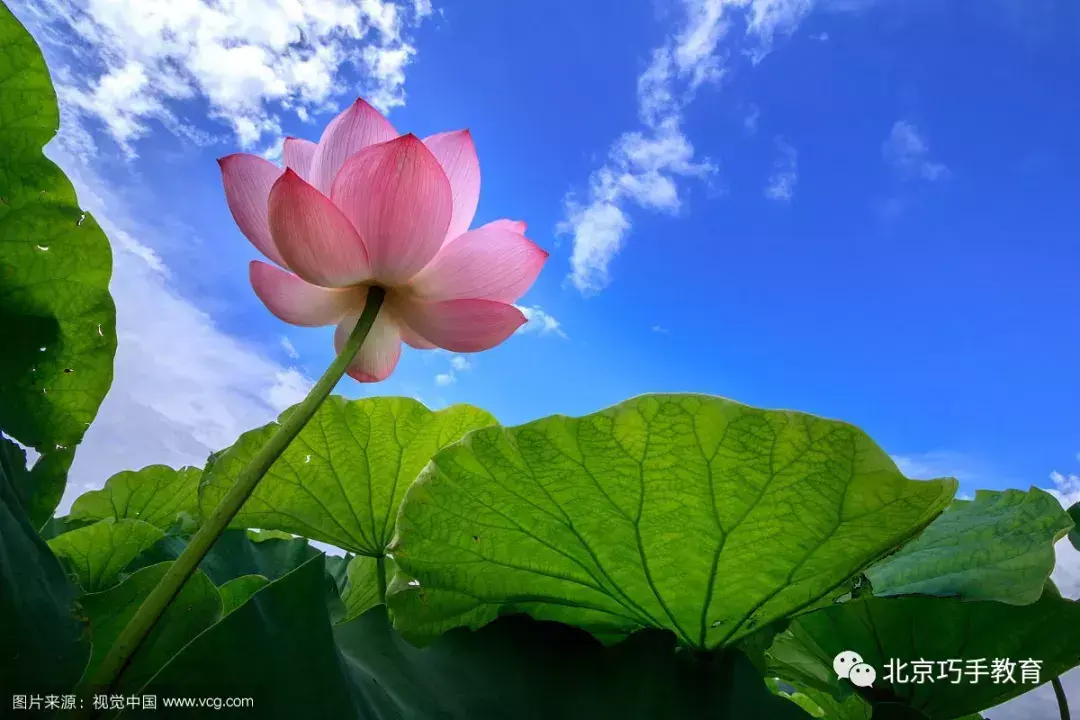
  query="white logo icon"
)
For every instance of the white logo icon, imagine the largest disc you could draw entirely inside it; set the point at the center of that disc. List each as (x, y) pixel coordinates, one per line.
(850, 666)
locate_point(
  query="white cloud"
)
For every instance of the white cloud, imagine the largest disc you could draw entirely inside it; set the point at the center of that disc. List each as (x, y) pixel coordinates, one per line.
(458, 364)
(660, 329)
(643, 167)
(750, 121)
(248, 60)
(1066, 488)
(781, 184)
(907, 151)
(290, 350)
(539, 322)
(183, 388)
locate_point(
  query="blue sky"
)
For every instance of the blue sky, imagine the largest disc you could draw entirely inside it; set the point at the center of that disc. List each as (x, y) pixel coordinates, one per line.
(857, 209)
(861, 209)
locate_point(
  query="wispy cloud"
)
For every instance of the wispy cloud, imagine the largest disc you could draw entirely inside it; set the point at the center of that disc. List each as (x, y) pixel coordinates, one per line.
(540, 322)
(907, 151)
(458, 365)
(644, 166)
(247, 61)
(750, 120)
(290, 350)
(785, 176)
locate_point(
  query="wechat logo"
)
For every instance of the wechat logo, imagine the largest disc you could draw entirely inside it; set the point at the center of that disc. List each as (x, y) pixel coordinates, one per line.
(849, 665)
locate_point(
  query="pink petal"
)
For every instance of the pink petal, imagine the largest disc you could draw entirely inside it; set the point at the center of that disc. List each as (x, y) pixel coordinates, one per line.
(300, 303)
(247, 180)
(316, 239)
(457, 155)
(517, 226)
(399, 200)
(462, 325)
(379, 354)
(486, 263)
(412, 338)
(298, 154)
(359, 126)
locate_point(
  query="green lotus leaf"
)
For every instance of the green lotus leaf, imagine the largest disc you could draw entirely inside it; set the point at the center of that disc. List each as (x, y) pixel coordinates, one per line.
(341, 480)
(514, 668)
(43, 647)
(57, 317)
(97, 554)
(686, 512)
(197, 607)
(959, 643)
(238, 590)
(1000, 547)
(157, 494)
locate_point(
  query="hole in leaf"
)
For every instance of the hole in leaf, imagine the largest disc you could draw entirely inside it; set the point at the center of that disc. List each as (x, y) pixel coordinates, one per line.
(42, 248)
(68, 370)
(81, 218)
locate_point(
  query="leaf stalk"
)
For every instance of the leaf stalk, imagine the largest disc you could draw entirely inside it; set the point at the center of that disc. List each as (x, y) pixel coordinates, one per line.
(157, 602)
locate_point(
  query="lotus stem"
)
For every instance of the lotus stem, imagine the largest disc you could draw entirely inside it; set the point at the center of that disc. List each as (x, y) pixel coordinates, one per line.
(157, 602)
(1062, 701)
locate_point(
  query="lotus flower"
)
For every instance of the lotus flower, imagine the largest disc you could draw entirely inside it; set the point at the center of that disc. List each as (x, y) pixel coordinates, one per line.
(365, 206)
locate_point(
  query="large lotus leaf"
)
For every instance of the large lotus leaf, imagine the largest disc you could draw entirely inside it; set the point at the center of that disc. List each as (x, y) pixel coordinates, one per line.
(96, 555)
(517, 667)
(277, 648)
(514, 668)
(686, 512)
(43, 647)
(939, 630)
(1000, 547)
(157, 494)
(341, 480)
(197, 607)
(56, 314)
(237, 553)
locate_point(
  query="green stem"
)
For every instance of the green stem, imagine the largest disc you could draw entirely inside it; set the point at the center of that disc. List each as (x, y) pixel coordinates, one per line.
(1063, 702)
(151, 610)
(380, 571)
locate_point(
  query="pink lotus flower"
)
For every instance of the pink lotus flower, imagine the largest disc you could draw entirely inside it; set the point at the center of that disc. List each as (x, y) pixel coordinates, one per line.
(365, 206)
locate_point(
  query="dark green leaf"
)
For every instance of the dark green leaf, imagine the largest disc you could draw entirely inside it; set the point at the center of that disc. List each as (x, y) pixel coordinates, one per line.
(342, 479)
(337, 567)
(686, 512)
(96, 555)
(43, 647)
(57, 317)
(237, 591)
(197, 607)
(517, 667)
(514, 668)
(156, 494)
(998, 547)
(276, 648)
(908, 629)
(41, 487)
